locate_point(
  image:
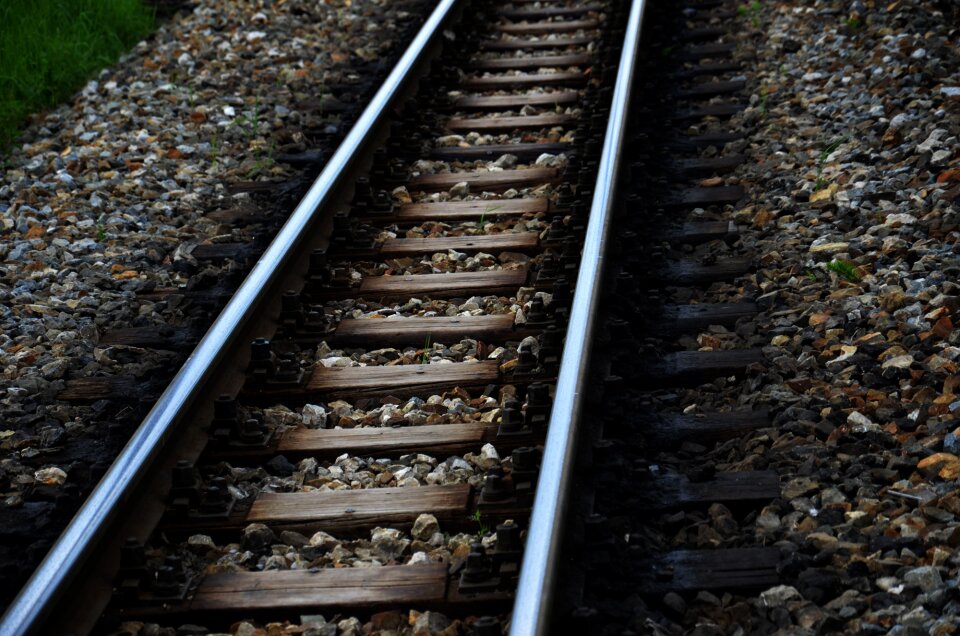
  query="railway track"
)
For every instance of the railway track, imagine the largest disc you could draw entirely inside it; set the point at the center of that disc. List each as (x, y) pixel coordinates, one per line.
(395, 402)
(383, 426)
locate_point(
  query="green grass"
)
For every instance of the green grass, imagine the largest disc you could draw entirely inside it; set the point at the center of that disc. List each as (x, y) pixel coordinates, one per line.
(822, 160)
(845, 270)
(50, 48)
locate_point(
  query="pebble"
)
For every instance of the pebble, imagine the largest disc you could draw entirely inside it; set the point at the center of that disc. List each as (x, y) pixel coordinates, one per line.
(460, 190)
(425, 527)
(779, 596)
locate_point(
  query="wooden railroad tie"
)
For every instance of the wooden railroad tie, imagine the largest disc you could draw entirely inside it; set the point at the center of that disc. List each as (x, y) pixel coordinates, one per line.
(348, 510)
(323, 589)
(485, 181)
(707, 51)
(706, 90)
(498, 282)
(696, 232)
(350, 513)
(729, 569)
(332, 589)
(391, 332)
(440, 439)
(519, 44)
(514, 102)
(688, 272)
(524, 63)
(452, 285)
(523, 152)
(453, 211)
(670, 430)
(545, 28)
(524, 80)
(675, 320)
(702, 197)
(414, 379)
(694, 143)
(677, 491)
(491, 243)
(716, 111)
(689, 368)
(705, 166)
(708, 68)
(700, 34)
(501, 124)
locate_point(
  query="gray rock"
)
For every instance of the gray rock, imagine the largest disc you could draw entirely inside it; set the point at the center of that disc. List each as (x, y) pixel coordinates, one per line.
(430, 623)
(675, 603)
(294, 539)
(389, 543)
(460, 190)
(779, 596)
(424, 527)
(256, 537)
(926, 577)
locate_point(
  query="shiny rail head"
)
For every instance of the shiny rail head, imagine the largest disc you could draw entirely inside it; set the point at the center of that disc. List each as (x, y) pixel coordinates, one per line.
(38, 599)
(538, 573)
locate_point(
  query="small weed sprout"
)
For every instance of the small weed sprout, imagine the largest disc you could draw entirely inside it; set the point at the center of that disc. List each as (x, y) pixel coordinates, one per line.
(425, 356)
(822, 160)
(482, 528)
(486, 211)
(845, 269)
(752, 10)
(214, 149)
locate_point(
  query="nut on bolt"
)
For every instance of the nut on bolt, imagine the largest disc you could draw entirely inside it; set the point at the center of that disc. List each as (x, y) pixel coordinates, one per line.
(487, 626)
(495, 489)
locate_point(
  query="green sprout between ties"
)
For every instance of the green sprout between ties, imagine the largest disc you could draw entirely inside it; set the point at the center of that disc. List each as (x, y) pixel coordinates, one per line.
(845, 269)
(483, 215)
(482, 528)
(425, 356)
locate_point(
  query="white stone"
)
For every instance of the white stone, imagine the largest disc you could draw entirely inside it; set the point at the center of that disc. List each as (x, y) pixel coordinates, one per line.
(461, 189)
(314, 416)
(779, 596)
(861, 423)
(488, 457)
(899, 218)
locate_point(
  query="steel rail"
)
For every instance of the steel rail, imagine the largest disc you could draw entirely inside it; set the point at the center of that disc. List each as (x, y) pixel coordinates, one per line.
(38, 598)
(538, 572)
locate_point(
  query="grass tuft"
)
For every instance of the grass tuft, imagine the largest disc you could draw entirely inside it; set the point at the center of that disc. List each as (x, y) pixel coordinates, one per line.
(845, 269)
(50, 48)
(822, 159)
